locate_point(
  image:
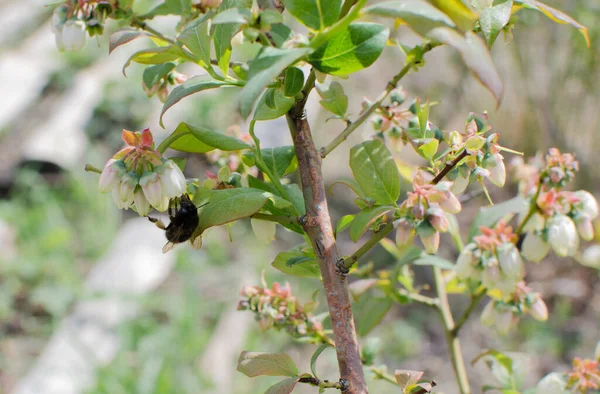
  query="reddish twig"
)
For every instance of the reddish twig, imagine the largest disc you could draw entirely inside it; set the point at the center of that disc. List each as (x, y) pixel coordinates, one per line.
(317, 225)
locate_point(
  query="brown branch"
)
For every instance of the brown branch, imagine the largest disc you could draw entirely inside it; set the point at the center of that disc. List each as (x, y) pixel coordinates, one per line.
(449, 167)
(317, 225)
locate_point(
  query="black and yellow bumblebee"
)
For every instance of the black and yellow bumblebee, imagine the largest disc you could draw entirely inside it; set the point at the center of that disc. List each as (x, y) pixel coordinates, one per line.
(183, 216)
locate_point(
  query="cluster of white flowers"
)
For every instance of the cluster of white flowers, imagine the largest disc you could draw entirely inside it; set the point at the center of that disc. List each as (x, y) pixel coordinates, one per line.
(493, 260)
(139, 176)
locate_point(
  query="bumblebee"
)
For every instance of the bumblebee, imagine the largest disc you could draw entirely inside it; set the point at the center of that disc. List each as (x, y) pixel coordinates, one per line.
(183, 216)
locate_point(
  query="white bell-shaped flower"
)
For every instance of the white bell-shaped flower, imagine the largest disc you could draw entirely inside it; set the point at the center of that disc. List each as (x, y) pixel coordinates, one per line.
(264, 230)
(553, 383)
(534, 247)
(73, 35)
(562, 235)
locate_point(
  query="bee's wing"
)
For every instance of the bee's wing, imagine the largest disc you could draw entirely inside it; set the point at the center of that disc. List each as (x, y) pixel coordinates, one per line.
(168, 247)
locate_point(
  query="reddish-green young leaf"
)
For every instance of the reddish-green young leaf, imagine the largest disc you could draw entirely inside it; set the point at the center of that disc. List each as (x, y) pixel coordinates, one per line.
(189, 87)
(476, 56)
(458, 12)
(254, 364)
(555, 15)
(285, 386)
(121, 37)
(375, 171)
(418, 14)
(429, 148)
(492, 20)
(229, 205)
(365, 218)
(407, 377)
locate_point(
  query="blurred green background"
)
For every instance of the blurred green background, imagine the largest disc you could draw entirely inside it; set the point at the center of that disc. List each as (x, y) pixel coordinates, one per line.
(178, 331)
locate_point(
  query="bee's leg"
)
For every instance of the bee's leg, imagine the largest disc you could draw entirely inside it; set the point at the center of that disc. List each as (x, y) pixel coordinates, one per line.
(159, 223)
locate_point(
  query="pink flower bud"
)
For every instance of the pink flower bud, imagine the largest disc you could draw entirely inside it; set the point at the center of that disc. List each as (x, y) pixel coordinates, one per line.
(497, 171)
(264, 231)
(73, 35)
(142, 206)
(562, 235)
(437, 218)
(534, 248)
(211, 3)
(111, 175)
(419, 211)
(431, 242)
(163, 93)
(588, 202)
(465, 267)
(172, 180)
(510, 261)
(539, 310)
(591, 257)
(585, 227)
(404, 232)
(150, 183)
(451, 204)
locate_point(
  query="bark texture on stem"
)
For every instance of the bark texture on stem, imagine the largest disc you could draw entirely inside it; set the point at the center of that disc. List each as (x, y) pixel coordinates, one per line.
(320, 231)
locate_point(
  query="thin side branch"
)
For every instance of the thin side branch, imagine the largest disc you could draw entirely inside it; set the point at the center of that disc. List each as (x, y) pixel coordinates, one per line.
(475, 299)
(276, 219)
(376, 104)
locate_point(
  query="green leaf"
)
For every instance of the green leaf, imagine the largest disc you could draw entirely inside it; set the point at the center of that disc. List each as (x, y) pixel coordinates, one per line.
(297, 262)
(492, 20)
(121, 37)
(353, 49)
(280, 33)
(315, 356)
(233, 15)
(555, 15)
(254, 364)
(458, 12)
(154, 56)
(343, 223)
(197, 40)
(153, 74)
(268, 64)
(352, 184)
(488, 216)
(282, 105)
(476, 56)
(223, 34)
(285, 386)
(295, 197)
(503, 359)
(360, 287)
(193, 85)
(278, 159)
(375, 171)
(188, 138)
(365, 218)
(369, 312)
(170, 7)
(293, 81)
(433, 260)
(418, 14)
(429, 149)
(334, 98)
(316, 14)
(229, 205)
